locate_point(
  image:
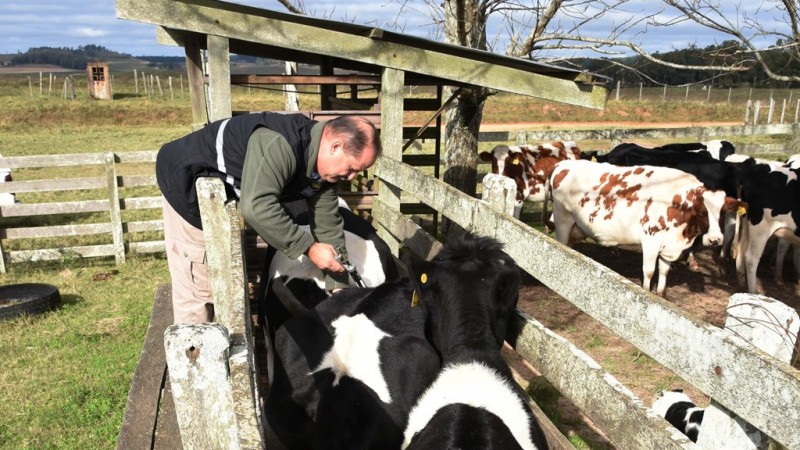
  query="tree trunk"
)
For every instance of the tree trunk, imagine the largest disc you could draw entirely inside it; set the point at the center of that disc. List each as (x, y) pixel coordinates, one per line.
(465, 25)
(463, 119)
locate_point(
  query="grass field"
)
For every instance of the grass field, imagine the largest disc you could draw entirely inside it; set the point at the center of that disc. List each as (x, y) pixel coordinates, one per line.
(65, 374)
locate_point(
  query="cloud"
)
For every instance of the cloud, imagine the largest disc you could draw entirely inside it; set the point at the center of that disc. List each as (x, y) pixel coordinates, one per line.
(89, 32)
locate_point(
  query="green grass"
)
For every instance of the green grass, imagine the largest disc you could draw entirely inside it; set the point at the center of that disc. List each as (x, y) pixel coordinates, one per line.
(65, 374)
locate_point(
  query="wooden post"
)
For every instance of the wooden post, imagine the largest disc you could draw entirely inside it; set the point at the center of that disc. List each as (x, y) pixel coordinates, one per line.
(783, 111)
(500, 192)
(114, 209)
(158, 83)
(136, 80)
(144, 84)
(640, 91)
(391, 98)
(686, 96)
(50, 85)
(72, 86)
(219, 78)
(41, 87)
(171, 95)
(616, 93)
(181, 84)
(772, 327)
(708, 97)
(197, 359)
(756, 111)
(194, 70)
(228, 276)
(664, 94)
(796, 110)
(771, 110)
(729, 94)
(30, 85)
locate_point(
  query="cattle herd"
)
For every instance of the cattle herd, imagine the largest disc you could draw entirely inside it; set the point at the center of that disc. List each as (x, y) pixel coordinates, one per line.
(413, 359)
(670, 200)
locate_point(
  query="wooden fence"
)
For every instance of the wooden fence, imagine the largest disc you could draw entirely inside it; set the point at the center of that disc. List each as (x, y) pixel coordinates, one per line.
(123, 182)
(92, 203)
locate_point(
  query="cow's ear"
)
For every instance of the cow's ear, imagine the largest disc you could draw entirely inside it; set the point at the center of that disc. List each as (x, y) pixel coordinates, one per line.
(485, 156)
(418, 271)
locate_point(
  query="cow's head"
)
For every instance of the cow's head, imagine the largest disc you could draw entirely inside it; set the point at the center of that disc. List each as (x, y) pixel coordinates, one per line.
(469, 290)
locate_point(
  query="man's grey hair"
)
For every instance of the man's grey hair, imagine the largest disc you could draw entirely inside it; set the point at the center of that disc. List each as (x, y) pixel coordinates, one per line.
(356, 132)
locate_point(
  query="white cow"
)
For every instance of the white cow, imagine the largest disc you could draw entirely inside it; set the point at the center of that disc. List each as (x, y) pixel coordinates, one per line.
(661, 209)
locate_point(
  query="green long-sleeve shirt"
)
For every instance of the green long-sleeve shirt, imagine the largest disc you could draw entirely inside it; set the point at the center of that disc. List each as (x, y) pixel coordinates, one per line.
(269, 166)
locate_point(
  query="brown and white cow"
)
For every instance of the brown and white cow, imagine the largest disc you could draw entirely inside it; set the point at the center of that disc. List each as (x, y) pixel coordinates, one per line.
(529, 166)
(660, 208)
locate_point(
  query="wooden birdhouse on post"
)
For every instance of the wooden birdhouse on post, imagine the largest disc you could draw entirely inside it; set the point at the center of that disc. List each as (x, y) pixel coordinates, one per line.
(98, 80)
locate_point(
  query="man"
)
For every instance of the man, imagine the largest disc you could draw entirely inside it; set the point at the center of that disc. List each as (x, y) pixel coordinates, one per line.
(263, 159)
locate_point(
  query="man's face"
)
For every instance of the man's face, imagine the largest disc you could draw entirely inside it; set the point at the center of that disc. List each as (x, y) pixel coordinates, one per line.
(335, 164)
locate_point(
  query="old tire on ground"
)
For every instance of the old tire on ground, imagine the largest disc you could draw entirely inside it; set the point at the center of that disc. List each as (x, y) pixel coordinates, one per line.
(27, 298)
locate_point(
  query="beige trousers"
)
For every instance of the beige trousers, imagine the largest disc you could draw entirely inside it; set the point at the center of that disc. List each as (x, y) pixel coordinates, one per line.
(188, 268)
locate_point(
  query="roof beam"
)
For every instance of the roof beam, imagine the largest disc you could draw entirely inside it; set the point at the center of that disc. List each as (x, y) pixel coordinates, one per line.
(304, 34)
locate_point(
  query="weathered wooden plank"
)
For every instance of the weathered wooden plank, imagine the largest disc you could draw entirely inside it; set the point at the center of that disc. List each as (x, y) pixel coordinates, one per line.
(142, 156)
(219, 78)
(142, 407)
(613, 407)
(142, 226)
(722, 366)
(55, 231)
(146, 247)
(114, 208)
(197, 359)
(136, 180)
(142, 202)
(41, 209)
(54, 254)
(168, 434)
(62, 184)
(222, 228)
(70, 159)
(391, 138)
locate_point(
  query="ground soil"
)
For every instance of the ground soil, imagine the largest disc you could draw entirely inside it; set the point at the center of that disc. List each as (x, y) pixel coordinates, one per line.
(703, 293)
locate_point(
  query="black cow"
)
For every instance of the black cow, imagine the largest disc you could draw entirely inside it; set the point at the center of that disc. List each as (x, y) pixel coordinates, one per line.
(470, 292)
(719, 150)
(773, 198)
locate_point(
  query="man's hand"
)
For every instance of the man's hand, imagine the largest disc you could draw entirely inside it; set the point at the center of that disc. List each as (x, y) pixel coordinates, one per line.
(324, 257)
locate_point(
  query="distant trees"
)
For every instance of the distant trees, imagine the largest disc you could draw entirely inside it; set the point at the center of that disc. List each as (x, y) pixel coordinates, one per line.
(67, 57)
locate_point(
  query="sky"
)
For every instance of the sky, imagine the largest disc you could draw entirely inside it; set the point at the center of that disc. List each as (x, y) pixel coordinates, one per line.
(72, 23)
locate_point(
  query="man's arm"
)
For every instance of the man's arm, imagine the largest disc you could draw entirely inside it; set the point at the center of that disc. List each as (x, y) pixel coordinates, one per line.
(327, 227)
(268, 167)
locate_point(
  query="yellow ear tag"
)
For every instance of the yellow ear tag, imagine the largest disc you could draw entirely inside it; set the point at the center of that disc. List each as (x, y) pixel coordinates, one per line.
(423, 278)
(414, 299)
(741, 211)
(594, 159)
(515, 162)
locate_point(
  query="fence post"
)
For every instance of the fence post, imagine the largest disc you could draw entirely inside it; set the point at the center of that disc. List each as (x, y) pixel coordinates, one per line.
(197, 359)
(664, 94)
(708, 96)
(772, 327)
(114, 209)
(41, 88)
(771, 110)
(500, 193)
(222, 229)
(783, 111)
(640, 91)
(686, 96)
(136, 80)
(30, 85)
(616, 94)
(796, 110)
(747, 109)
(729, 94)
(756, 111)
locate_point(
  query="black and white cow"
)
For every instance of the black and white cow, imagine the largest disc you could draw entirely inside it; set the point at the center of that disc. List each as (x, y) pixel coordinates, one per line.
(679, 410)
(290, 287)
(349, 371)
(773, 196)
(718, 149)
(470, 291)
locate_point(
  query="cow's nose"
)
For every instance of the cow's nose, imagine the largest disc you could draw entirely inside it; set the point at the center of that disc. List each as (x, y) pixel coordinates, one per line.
(714, 241)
